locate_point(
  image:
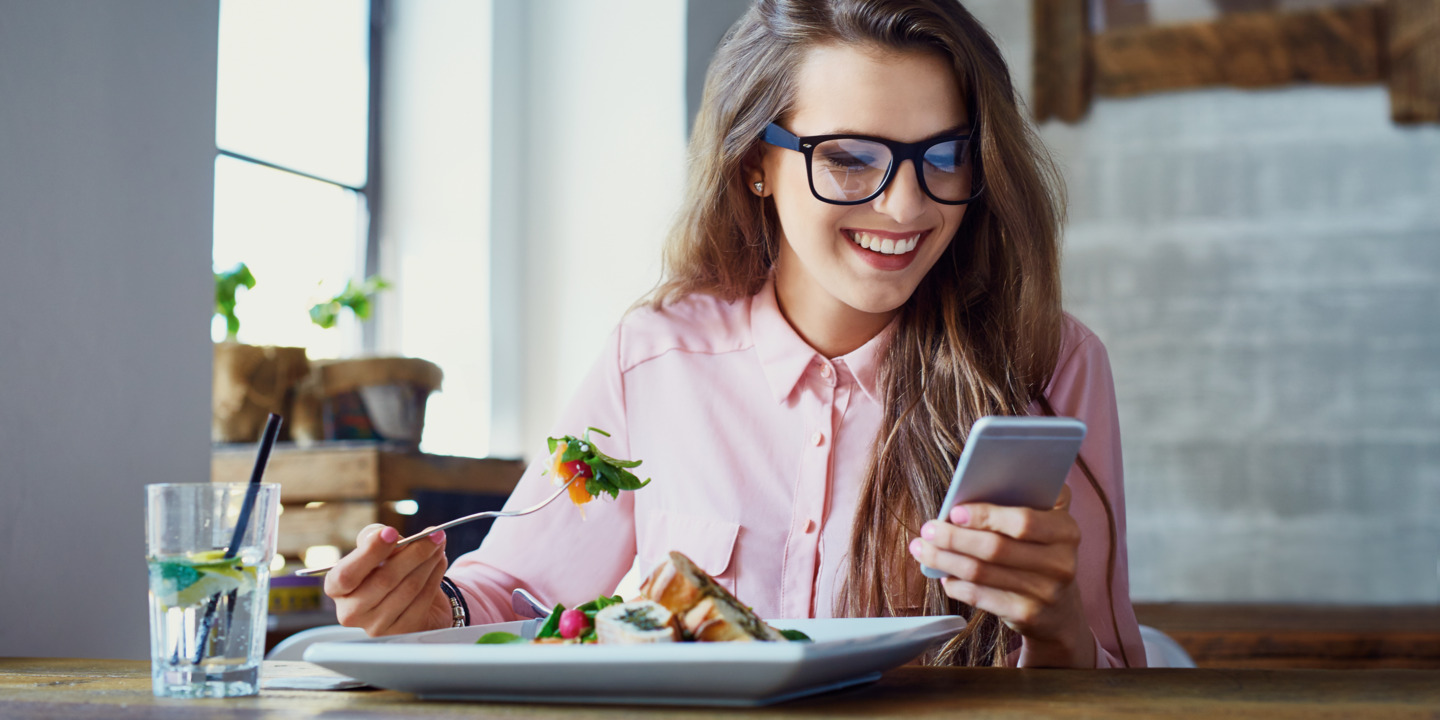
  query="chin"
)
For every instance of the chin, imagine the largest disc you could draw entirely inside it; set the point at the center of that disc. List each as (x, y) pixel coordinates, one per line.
(876, 303)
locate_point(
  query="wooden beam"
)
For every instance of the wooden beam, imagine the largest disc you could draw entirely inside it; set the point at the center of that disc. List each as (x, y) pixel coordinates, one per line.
(1413, 52)
(1333, 46)
(1062, 60)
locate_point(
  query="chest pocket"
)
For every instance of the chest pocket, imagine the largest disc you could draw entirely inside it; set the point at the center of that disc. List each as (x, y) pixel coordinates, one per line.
(708, 541)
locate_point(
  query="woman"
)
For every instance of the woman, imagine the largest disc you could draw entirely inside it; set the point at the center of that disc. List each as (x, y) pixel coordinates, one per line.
(866, 263)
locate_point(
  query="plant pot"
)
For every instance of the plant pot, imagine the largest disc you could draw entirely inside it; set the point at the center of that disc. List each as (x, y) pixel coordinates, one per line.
(250, 382)
(378, 398)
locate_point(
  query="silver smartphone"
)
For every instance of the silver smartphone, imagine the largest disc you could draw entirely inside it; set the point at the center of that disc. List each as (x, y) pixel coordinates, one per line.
(1014, 461)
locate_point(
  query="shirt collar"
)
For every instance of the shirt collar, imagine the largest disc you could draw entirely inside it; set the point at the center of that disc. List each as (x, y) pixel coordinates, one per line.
(785, 356)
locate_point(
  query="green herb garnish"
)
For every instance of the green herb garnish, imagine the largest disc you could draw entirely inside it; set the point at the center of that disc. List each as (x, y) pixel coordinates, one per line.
(607, 474)
(551, 628)
(499, 638)
(796, 636)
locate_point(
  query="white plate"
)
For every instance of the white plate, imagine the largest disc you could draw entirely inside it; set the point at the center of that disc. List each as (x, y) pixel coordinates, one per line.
(447, 664)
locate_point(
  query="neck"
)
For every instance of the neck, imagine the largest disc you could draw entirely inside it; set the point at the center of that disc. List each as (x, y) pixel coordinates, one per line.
(823, 322)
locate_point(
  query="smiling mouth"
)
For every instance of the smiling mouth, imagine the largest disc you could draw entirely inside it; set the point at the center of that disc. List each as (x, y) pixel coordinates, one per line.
(884, 245)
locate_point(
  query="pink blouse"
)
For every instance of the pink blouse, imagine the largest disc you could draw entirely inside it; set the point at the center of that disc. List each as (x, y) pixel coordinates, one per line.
(758, 445)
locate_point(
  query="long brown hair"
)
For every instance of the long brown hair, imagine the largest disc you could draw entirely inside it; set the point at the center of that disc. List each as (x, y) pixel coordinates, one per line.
(981, 334)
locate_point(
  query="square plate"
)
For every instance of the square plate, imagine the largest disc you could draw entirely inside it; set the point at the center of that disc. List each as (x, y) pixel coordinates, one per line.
(447, 664)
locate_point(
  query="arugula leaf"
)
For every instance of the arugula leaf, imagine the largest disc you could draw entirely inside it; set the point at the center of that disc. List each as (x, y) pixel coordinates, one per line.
(551, 628)
(574, 450)
(796, 636)
(603, 602)
(499, 638)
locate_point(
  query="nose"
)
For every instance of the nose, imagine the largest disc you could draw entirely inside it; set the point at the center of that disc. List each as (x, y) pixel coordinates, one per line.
(903, 200)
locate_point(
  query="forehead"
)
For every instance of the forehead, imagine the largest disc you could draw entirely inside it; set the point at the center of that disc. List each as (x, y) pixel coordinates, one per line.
(900, 95)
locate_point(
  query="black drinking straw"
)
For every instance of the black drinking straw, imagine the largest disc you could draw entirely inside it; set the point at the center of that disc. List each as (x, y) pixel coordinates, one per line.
(272, 430)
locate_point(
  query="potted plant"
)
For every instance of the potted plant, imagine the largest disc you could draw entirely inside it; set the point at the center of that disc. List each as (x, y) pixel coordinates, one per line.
(250, 381)
(367, 398)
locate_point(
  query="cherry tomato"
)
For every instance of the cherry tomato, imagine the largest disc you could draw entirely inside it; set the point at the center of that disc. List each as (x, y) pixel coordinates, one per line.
(577, 468)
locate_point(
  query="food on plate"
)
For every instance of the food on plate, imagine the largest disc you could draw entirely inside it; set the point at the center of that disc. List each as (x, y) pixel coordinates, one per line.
(679, 602)
(588, 471)
(708, 612)
(633, 623)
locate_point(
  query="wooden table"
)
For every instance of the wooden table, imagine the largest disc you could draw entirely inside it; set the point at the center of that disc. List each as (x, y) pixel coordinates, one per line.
(120, 689)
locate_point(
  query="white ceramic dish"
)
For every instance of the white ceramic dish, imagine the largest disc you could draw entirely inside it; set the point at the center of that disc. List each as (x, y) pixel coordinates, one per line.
(447, 664)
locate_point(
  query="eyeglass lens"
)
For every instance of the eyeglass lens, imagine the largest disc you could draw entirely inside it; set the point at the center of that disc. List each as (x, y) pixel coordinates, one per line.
(850, 169)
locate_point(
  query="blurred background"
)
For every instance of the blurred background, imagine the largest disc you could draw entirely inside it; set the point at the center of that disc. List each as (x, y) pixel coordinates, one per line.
(1263, 265)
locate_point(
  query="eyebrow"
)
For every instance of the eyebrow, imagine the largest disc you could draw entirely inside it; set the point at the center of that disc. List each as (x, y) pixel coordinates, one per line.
(961, 129)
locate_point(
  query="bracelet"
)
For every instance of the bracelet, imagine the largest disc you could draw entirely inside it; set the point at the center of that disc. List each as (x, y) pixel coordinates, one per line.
(459, 609)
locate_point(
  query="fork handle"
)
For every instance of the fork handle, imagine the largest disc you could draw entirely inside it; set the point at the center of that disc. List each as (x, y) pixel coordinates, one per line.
(309, 572)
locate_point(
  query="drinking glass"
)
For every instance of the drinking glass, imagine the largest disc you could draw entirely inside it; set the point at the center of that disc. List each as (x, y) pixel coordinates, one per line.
(208, 601)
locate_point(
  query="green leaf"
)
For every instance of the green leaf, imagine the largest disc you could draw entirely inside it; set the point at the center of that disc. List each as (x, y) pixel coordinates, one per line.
(598, 604)
(499, 638)
(551, 628)
(357, 299)
(628, 481)
(227, 284)
(573, 451)
(796, 636)
(553, 442)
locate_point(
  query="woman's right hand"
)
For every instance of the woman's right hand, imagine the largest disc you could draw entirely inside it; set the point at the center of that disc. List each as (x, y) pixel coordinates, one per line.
(388, 591)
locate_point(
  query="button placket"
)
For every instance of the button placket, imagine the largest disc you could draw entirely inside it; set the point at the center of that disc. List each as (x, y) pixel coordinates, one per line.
(802, 557)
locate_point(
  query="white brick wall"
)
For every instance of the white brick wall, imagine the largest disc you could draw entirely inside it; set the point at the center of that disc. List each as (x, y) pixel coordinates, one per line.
(1265, 269)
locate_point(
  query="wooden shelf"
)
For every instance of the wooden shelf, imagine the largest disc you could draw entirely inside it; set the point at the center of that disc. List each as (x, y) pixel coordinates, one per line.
(356, 484)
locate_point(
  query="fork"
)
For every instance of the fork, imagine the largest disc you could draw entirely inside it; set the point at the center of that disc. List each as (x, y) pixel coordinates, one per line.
(308, 572)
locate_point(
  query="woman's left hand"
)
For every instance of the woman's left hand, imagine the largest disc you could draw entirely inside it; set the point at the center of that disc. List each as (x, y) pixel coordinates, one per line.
(1018, 564)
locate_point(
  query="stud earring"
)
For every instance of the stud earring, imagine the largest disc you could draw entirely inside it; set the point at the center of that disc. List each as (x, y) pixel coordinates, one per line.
(759, 187)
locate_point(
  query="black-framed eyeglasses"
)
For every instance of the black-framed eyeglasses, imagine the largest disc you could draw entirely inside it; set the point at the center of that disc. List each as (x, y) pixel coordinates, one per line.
(855, 169)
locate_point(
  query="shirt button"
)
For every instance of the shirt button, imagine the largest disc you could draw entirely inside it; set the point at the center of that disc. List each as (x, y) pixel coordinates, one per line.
(818, 438)
(826, 372)
(809, 526)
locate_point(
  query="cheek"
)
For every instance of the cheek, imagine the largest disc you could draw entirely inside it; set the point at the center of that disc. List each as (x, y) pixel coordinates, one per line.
(807, 221)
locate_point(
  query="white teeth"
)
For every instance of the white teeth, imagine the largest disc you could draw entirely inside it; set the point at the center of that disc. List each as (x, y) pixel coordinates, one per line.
(885, 246)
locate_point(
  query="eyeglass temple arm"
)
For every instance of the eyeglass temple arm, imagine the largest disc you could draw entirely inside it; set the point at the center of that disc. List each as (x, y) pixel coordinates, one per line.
(780, 137)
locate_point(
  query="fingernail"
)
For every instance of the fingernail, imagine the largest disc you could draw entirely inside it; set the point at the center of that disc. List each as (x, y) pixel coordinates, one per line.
(389, 535)
(927, 531)
(437, 537)
(959, 515)
(915, 546)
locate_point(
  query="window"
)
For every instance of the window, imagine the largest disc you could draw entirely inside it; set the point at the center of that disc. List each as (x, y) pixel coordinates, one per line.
(292, 173)
(296, 177)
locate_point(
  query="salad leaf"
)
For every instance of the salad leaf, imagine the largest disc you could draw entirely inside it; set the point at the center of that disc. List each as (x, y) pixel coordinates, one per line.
(551, 628)
(608, 475)
(598, 604)
(499, 638)
(796, 636)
